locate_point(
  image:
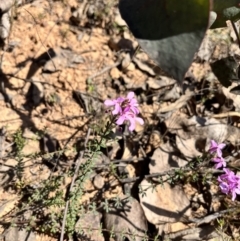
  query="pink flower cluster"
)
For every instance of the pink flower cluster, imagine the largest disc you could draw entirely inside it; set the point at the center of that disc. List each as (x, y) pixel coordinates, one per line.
(216, 148)
(229, 182)
(125, 109)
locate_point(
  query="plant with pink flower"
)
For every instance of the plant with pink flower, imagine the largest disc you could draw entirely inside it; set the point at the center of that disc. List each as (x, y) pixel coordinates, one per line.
(220, 162)
(127, 115)
(216, 148)
(125, 109)
(131, 103)
(229, 183)
(116, 103)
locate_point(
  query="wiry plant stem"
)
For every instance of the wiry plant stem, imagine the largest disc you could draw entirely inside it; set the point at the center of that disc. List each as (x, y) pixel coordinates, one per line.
(72, 184)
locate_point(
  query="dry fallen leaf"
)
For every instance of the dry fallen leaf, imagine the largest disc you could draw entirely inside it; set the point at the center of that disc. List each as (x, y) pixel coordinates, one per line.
(231, 96)
(206, 232)
(164, 158)
(188, 147)
(164, 81)
(144, 66)
(167, 228)
(177, 104)
(215, 45)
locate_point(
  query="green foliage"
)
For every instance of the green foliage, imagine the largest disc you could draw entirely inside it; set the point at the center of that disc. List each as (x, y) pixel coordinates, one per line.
(42, 195)
(53, 98)
(49, 199)
(225, 10)
(19, 143)
(85, 170)
(171, 32)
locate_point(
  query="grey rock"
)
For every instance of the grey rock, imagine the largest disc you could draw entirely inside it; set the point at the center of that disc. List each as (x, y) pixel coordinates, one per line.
(37, 91)
(128, 220)
(98, 181)
(15, 234)
(88, 227)
(164, 203)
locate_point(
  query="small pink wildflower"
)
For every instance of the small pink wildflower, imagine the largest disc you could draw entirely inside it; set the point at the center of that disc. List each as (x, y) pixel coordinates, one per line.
(116, 103)
(132, 103)
(216, 148)
(125, 109)
(229, 183)
(220, 162)
(131, 117)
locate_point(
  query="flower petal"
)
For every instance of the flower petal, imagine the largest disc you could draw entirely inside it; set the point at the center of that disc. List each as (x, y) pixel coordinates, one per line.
(120, 100)
(219, 165)
(224, 163)
(234, 195)
(237, 190)
(226, 170)
(117, 109)
(213, 144)
(131, 118)
(139, 120)
(130, 95)
(108, 103)
(219, 153)
(120, 120)
(216, 159)
(224, 187)
(221, 145)
(135, 110)
(132, 124)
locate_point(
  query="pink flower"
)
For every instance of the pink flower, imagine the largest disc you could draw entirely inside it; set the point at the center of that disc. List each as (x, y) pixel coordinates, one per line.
(220, 162)
(131, 117)
(229, 183)
(216, 148)
(132, 103)
(122, 103)
(116, 103)
(223, 186)
(126, 109)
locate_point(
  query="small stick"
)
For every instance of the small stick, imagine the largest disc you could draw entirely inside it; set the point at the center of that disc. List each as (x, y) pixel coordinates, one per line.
(211, 217)
(236, 32)
(164, 173)
(227, 114)
(50, 57)
(104, 70)
(2, 141)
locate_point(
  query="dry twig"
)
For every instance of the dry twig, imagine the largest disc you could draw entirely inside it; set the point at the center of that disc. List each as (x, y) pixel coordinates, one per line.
(105, 70)
(227, 114)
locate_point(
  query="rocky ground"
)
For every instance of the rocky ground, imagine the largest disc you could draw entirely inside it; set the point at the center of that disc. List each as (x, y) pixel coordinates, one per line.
(59, 63)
